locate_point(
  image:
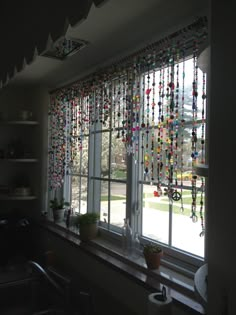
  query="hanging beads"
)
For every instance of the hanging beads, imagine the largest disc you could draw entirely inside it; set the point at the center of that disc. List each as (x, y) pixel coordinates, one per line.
(160, 129)
(202, 158)
(147, 93)
(202, 233)
(143, 127)
(182, 117)
(194, 129)
(136, 110)
(129, 112)
(57, 141)
(147, 114)
(123, 132)
(181, 124)
(176, 118)
(118, 100)
(153, 124)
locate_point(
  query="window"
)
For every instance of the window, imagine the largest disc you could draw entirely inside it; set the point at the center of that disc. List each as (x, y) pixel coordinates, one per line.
(131, 139)
(163, 219)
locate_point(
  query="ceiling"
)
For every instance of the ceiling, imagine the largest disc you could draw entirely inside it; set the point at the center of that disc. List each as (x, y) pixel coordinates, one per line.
(116, 27)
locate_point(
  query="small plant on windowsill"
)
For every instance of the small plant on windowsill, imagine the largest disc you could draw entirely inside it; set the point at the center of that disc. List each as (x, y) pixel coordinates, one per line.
(58, 207)
(88, 225)
(152, 254)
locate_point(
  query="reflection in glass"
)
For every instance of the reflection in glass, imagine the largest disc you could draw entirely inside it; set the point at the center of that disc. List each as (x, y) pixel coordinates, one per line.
(185, 233)
(118, 204)
(105, 154)
(79, 194)
(80, 160)
(155, 216)
(104, 201)
(118, 158)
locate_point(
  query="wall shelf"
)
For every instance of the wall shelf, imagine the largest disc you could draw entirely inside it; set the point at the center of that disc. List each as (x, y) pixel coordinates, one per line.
(23, 160)
(15, 129)
(21, 122)
(16, 197)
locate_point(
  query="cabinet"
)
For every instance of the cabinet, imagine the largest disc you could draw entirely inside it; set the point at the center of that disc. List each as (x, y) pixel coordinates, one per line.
(18, 160)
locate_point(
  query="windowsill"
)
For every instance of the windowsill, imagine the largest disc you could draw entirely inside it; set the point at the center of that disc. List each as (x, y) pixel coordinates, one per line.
(179, 286)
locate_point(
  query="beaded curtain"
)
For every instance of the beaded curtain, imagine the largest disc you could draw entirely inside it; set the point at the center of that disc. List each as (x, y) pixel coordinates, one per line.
(145, 107)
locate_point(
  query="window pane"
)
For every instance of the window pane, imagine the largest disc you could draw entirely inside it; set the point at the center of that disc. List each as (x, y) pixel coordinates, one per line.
(155, 216)
(118, 158)
(118, 204)
(105, 154)
(185, 233)
(186, 151)
(79, 194)
(80, 162)
(188, 96)
(104, 201)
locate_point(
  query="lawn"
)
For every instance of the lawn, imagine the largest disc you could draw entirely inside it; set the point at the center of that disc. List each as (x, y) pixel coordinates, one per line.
(165, 207)
(150, 195)
(113, 197)
(187, 201)
(119, 174)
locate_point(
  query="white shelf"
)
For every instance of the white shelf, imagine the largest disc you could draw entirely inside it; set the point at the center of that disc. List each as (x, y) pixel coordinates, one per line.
(16, 197)
(22, 122)
(26, 160)
(15, 125)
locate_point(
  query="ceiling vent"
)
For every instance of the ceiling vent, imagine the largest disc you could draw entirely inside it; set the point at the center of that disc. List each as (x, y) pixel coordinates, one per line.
(64, 47)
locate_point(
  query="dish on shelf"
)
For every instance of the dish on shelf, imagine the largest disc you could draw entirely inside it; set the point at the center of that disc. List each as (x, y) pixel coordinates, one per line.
(22, 191)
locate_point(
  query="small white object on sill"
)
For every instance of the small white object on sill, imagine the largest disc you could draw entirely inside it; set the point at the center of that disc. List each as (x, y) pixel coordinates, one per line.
(159, 303)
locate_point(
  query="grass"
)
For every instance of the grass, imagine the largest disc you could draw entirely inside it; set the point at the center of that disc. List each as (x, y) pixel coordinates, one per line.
(165, 207)
(119, 174)
(161, 206)
(150, 195)
(105, 198)
(186, 200)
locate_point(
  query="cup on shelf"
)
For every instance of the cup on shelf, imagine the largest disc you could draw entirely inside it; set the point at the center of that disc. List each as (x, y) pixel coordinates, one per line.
(25, 114)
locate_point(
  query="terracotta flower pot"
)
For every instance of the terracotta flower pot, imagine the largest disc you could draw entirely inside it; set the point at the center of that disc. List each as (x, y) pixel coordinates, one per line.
(88, 231)
(153, 260)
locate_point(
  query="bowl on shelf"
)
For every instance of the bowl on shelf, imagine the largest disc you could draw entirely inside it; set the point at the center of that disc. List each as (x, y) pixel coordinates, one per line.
(22, 191)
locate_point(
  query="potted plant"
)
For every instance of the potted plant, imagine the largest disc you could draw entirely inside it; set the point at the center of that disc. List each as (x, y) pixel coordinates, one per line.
(152, 254)
(88, 225)
(58, 208)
